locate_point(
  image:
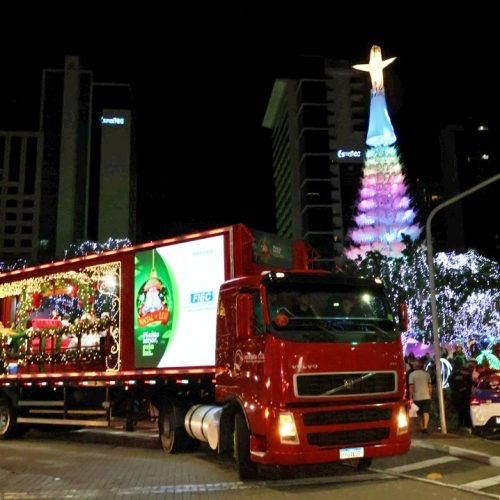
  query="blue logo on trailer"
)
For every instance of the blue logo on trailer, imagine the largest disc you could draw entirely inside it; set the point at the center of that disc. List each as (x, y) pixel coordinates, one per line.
(202, 297)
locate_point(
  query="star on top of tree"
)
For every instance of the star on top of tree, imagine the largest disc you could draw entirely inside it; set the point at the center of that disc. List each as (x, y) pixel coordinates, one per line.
(375, 67)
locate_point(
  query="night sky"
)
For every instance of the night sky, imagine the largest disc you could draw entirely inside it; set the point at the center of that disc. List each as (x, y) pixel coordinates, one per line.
(201, 80)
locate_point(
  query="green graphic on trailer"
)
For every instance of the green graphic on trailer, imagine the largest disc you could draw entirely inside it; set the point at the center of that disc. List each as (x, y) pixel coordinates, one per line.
(155, 308)
(272, 250)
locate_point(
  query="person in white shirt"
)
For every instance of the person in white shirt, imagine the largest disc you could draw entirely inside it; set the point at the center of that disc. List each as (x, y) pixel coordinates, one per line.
(421, 393)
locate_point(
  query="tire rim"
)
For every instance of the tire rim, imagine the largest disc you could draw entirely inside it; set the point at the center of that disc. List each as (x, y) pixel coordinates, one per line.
(4, 419)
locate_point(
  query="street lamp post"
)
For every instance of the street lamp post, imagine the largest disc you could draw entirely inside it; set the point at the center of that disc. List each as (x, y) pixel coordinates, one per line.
(432, 283)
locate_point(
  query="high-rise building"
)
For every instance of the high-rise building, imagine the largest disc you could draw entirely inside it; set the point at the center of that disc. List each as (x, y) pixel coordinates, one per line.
(75, 178)
(116, 175)
(20, 182)
(469, 155)
(89, 156)
(318, 140)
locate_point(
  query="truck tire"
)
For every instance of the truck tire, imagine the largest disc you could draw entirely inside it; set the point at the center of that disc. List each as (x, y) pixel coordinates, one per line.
(246, 468)
(8, 420)
(173, 435)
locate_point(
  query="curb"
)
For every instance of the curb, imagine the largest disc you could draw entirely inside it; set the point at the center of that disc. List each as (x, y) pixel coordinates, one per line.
(117, 437)
(135, 439)
(456, 451)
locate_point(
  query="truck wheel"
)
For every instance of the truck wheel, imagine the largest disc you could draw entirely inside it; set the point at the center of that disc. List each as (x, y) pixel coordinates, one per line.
(246, 468)
(173, 436)
(8, 420)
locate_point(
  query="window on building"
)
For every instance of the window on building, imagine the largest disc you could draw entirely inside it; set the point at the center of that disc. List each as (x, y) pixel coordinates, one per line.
(318, 219)
(316, 192)
(15, 159)
(314, 116)
(312, 91)
(316, 167)
(314, 141)
(30, 177)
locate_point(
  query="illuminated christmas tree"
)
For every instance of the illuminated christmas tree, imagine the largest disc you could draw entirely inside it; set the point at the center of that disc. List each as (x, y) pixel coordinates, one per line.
(384, 213)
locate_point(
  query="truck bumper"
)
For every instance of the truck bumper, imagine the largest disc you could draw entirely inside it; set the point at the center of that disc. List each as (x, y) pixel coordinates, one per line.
(297, 455)
(315, 435)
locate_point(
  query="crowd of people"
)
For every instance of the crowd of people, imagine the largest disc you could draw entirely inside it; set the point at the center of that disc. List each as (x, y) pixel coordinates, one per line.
(421, 380)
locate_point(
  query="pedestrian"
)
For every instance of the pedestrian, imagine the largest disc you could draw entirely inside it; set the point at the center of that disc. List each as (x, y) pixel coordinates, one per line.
(461, 385)
(409, 362)
(421, 394)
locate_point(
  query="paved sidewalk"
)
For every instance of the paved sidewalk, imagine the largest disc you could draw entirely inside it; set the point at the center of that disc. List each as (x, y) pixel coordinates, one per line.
(476, 448)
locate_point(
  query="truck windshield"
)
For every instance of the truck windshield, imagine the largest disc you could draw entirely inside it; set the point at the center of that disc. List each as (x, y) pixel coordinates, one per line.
(312, 313)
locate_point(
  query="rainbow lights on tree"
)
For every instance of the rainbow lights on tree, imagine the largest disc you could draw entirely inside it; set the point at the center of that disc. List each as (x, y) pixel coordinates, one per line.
(384, 213)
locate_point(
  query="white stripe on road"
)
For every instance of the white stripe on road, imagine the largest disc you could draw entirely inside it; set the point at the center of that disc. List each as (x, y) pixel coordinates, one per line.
(440, 483)
(424, 464)
(483, 483)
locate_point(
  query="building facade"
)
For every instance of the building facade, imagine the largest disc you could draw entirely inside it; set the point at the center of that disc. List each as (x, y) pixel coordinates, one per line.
(318, 132)
(77, 172)
(469, 155)
(116, 176)
(20, 187)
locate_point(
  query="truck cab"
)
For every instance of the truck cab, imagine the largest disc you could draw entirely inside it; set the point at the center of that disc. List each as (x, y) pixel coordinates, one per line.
(313, 381)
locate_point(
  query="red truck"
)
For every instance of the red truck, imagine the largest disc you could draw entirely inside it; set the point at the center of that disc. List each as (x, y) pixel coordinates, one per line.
(226, 333)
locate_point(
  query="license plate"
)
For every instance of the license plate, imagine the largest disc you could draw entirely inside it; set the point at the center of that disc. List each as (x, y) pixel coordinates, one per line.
(352, 452)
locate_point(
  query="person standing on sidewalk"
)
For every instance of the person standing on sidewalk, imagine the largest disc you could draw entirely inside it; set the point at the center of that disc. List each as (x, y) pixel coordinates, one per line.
(421, 393)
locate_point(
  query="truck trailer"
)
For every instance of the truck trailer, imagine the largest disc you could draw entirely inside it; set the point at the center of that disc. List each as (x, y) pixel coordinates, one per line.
(229, 336)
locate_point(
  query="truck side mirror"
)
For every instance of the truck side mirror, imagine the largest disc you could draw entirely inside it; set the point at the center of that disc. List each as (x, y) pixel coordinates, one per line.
(244, 315)
(403, 317)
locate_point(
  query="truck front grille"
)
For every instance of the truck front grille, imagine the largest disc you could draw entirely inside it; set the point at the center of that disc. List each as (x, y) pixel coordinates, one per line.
(347, 416)
(345, 384)
(351, 438)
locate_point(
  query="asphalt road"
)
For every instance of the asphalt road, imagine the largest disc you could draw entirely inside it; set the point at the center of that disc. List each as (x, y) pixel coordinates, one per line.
(73, 465)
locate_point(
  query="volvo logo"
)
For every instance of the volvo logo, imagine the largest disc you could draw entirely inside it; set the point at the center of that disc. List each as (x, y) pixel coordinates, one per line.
(349, 383)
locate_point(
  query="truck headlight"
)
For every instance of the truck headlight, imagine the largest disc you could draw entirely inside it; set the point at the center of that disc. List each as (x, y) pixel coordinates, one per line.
(402, 421)
(288, 429)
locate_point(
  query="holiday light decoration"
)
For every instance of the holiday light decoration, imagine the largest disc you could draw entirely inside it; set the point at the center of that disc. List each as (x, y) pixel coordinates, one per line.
(5, 267)
(467, 294)
(92, 247)
(384, 213)
(446, 371)
(74, 250)
(493, 361)
(89, 296)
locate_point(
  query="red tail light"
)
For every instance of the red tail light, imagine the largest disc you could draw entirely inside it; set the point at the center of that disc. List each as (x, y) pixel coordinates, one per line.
(475, 402)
